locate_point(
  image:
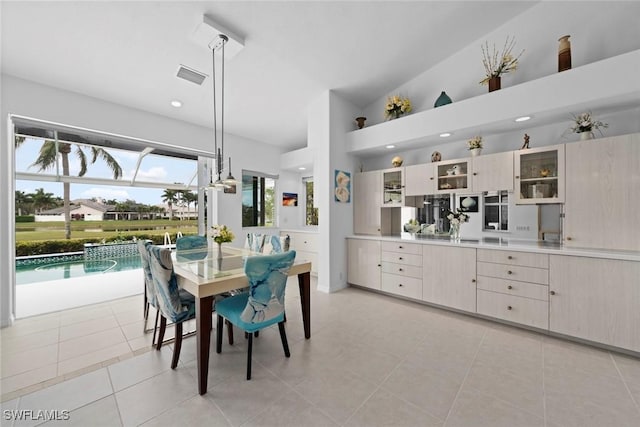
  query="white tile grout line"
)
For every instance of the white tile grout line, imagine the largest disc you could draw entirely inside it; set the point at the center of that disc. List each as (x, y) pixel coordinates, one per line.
(637, 404)
(464, 380)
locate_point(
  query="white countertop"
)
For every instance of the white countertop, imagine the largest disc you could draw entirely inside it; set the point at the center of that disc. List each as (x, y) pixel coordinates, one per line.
(506, 244)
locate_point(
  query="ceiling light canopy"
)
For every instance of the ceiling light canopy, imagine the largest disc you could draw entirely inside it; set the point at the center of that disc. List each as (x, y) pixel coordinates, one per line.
(207, 34)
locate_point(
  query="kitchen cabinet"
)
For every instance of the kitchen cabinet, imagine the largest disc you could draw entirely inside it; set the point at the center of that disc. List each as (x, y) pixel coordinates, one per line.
(454, 176)
(402, 269)
(493, 172)
(306, 247)
(393, 187)
(367, 198)
(419, 179)
(595, 299)
(449, 276)
(539, 175)
(363, 257)
(603, 185)
(513, 286)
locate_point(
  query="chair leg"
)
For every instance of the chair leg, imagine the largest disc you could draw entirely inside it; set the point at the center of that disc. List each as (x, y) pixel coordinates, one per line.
(249, 357)
(219, 334)
(229, 331)
(283, 337)
(177, 346)
(256, 334)
(155, 328)
(163, 327)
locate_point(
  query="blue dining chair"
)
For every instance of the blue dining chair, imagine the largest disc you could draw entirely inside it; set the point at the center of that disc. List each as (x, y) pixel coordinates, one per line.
(174, 304)
(254, 242)
(263, 305)
(187, 247)
(149, 293)
(275, 244)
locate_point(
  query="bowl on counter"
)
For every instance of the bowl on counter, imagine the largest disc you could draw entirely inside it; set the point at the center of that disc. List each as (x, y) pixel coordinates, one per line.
(412, 228)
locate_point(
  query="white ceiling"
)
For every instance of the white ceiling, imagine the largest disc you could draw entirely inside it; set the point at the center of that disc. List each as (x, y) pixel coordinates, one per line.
(129, 52)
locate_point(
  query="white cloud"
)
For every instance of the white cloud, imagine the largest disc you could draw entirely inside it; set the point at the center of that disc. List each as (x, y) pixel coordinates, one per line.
(105, 193)
(156, 173)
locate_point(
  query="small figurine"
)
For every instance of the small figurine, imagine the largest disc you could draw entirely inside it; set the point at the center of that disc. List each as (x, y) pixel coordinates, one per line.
(436, 156)
(526, 142)
(396, 161)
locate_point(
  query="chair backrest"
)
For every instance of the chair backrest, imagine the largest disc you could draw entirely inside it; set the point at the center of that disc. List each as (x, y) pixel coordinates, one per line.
(187, 247)
(165, 284)
(143, 248)
(267, 275)
(275, 244)
(254, 242)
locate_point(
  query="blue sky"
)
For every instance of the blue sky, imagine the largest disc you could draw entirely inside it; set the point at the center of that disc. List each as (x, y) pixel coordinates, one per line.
(153, 169)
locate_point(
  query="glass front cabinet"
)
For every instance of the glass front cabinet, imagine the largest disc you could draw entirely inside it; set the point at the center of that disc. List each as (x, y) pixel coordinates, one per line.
(393, 187)
(539, 175)
(454, 176)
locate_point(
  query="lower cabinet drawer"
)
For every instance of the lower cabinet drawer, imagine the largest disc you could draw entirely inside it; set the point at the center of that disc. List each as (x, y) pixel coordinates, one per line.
(514, 272)
(402, 270)
(512, 287)
(400, 285)
(515, 309)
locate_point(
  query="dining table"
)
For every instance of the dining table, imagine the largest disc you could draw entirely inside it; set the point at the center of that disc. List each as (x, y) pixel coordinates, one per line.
(208, 272)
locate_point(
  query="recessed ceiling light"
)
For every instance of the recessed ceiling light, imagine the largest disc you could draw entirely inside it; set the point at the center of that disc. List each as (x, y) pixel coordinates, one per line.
(523, 119)
(176, 103)
(390, 146)
(302, 168)
(444, 135)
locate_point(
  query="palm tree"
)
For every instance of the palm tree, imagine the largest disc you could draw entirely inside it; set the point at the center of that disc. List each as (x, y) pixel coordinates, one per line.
(48, 158)
(189, 197)
(42, 200)
(170, 197)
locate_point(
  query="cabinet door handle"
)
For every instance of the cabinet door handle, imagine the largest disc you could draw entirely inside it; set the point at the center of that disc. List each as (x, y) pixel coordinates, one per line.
(509, 257)
(399, 247)
(431, 178)
(517, 177)
(509, 307)
(379, 265)
(552, 292)
(400, 258)
(399, 269)
(473, 280)
(509, 287)
(400, 285)
(475, 173)
(568, 238)
(509, 272)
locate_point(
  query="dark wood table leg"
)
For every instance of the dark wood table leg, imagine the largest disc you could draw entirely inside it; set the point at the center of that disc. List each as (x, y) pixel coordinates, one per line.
(304, 282)
(204, 306)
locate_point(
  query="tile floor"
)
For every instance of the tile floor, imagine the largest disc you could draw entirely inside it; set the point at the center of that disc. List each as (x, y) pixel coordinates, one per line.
(371, 361)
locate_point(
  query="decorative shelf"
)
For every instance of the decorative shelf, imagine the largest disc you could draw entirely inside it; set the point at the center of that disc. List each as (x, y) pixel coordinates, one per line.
(542, 178)
(461, 175)
(549, 99)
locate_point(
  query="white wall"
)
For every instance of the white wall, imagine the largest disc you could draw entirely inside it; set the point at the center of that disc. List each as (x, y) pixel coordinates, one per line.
(598, 30)
(30, 99)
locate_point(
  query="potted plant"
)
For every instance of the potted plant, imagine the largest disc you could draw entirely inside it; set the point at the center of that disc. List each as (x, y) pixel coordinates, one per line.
(475, 145)
(495, 65)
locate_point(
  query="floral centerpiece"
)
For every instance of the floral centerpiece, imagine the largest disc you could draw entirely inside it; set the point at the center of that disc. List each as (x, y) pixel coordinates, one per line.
(475, 142)
(222, 234)
(412, 226)
(496, 64)
(585, 124)
(397, 106)
(455, 219)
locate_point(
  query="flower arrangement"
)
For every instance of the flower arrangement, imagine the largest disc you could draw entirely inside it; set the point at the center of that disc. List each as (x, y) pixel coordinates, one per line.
(495, 65)
(475, 142)
(412, 226)
(586, 123)
(222, 234)
(457, 218)
(396, 107)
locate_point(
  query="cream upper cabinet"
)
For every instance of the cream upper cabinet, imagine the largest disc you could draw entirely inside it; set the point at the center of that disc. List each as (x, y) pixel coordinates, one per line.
(454, 176)
(493, 172)
(393, 187)
(364, 263)
(367, 197)
(539, 175)
(449, 276)
(603, 193)
(419, 179)
(595, 299)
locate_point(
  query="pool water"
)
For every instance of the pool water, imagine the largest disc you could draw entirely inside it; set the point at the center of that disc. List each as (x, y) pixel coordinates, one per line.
(71, 269)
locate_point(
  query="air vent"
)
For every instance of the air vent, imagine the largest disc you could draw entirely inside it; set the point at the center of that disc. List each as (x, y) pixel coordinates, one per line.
(191, 75)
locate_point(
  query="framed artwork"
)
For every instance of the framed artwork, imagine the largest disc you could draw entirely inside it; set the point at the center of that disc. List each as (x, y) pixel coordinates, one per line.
(289, 199)
(342, 191)
(230, 189)
(469, 204)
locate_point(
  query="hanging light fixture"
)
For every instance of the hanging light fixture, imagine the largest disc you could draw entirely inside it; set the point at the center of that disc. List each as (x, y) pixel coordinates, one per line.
(219, 183)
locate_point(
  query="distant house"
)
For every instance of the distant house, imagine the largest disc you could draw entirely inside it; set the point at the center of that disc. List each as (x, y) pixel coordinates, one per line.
(81, 210)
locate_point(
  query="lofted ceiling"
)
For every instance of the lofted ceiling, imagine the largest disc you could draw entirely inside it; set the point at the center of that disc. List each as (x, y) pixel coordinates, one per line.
(129, 53)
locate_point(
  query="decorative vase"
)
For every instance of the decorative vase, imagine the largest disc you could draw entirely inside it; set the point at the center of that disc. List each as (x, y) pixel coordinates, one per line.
(360, 122)
(494, 83)
(219, 250)
(475, 152)
(586, 135)
(454, 232)
(443, 99)
(564, 53)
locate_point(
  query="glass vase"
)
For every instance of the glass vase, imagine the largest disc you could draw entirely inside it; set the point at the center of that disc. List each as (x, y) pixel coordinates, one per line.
(454, 232)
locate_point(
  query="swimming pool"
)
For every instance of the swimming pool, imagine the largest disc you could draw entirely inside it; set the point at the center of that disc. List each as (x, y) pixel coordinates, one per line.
(56, 269)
